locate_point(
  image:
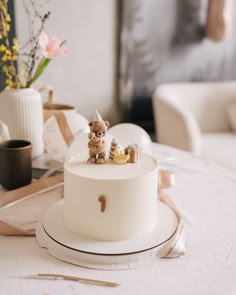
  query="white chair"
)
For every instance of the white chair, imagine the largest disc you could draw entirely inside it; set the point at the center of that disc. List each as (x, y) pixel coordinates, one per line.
(198, 117)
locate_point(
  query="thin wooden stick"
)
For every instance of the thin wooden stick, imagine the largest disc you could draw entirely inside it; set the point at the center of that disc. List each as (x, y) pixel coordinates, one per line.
(73, 278)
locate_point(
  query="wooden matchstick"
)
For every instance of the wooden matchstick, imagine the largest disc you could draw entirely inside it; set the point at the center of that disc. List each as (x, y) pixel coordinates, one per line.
(79, 279)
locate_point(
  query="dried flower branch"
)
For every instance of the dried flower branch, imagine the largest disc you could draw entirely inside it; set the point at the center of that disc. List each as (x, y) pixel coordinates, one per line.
(8, 51)
(26, 55)
(33, 15)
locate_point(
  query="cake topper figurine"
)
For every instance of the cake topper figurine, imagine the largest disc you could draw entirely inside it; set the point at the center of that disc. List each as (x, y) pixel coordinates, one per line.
(96, 144)
(114, 145)
(120, 157)
(134, 152)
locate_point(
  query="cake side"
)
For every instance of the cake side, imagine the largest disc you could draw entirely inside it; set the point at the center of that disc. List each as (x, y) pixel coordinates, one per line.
(110, 202)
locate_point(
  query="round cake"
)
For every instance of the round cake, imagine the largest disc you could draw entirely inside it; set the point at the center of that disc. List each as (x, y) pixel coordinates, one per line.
(109, 201)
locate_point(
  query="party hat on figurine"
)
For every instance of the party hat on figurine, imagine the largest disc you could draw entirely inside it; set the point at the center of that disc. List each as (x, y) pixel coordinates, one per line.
(97, 117)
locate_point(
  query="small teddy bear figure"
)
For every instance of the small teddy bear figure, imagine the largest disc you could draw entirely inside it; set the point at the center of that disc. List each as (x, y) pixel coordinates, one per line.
(93, 139)
(96, 147)
(96, 144)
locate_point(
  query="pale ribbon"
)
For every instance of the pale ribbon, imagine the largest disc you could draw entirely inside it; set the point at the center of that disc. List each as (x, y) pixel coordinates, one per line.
(64, 128)
(175, 246)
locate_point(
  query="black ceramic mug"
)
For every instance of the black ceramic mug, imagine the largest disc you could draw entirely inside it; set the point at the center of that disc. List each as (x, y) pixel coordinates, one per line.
(15, 163)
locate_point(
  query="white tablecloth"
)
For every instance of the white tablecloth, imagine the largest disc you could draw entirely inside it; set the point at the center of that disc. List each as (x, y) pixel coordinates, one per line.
(206, 197)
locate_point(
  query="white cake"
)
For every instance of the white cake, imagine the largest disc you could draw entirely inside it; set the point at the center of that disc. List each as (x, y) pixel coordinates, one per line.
(109, 201)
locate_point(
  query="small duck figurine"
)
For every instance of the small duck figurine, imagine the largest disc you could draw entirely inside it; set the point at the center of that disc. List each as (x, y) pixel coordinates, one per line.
(120, 158)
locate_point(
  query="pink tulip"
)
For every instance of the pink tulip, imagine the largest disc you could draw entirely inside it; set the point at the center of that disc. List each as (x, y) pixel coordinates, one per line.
(51, 48)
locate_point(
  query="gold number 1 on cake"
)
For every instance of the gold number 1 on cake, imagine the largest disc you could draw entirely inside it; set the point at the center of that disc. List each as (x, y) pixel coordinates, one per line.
(102, 200)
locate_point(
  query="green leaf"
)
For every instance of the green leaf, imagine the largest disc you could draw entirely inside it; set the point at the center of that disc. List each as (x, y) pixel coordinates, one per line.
(40, 69)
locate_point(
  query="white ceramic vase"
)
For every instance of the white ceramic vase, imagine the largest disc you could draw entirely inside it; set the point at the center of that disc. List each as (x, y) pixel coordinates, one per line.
(22, 111)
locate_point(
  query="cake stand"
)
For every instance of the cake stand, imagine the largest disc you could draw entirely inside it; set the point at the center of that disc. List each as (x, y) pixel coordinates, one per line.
(70, 247)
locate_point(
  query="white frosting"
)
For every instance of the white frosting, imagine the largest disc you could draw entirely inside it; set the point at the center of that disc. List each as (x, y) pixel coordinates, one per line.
(111, 171)
(131, 197)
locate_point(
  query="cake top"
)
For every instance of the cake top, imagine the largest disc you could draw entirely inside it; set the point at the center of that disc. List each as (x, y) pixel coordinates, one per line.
(79, 166)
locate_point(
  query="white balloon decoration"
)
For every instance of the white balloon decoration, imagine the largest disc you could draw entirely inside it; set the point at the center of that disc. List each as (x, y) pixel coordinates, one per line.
(54, 141)
(127, 133)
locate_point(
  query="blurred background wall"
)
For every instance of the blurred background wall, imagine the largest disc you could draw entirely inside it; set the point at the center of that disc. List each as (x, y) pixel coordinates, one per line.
(119, 51)
(86, 77)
